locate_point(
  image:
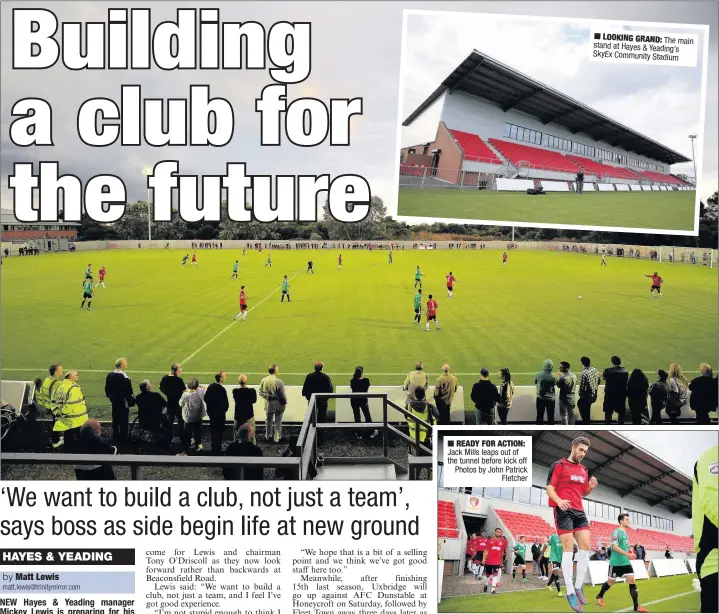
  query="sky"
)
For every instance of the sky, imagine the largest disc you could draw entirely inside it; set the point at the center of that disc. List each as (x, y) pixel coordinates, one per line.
(660, 102)
(678, 449)
(356, 49)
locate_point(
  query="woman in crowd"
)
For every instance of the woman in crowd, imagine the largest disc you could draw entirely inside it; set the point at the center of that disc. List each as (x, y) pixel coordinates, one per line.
(678, 392)
(637, 388)
(506, 393)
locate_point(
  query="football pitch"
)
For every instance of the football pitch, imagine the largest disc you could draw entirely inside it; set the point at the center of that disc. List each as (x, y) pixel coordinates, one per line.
(673, 594)
(656, 210)
(155, 311)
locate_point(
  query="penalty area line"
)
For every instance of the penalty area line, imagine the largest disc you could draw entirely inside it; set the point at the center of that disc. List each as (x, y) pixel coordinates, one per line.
(231, 324)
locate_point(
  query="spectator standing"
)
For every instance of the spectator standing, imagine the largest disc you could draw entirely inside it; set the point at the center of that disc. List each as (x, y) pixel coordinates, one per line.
(544, 559)
(668, 553)
(546, 383)
(272, 390)
(678, 393)
(193, 408)
(173, 386)
(89, 442)
(318, 382)
(640, 552)
(414, 380)
(703, 398)
(45, 399)
(118, 388)
(360, 384)
(243, 447)
(444, 391)
(506, 394)
(71, 409)
(151, 406)
(580, 182)
(425, 411)
(658, 396)
(536, 555)
(485, 397)
(615, 391)
(588, 388)
(637, 390)
(567, 387)
(217, 406)
(245, 399)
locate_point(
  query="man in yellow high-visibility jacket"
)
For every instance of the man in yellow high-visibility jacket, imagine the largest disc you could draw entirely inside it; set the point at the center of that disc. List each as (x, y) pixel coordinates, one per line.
(45, 398)
(705, 504)
(71, 408)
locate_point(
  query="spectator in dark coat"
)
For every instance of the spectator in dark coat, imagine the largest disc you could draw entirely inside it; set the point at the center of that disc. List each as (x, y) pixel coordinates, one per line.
(640, 552)
(615, 391)
(89, 442)
(485, 397)
(658, 395)
(637, 389)
(217, 406)
(150, 409)
(118, 388)
(173, 386)
(245, 398)
(243, 447)
(703, 398)
(317, 382)
(358, 384)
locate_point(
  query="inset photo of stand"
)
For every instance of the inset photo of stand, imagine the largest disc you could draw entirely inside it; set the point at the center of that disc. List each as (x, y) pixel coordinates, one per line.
(573, 521)
(517, 120)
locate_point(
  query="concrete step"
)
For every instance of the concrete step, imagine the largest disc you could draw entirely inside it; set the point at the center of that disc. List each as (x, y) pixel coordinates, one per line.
(345, 471)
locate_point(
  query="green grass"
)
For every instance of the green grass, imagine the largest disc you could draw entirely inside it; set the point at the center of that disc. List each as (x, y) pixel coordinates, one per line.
(656, 210)
(155, 311)
(617, 599)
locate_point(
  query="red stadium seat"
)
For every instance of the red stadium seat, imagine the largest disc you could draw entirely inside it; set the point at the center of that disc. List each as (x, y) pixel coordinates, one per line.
(475, 149)
(524, 524)
(599, 168)
(662, 178)
(536, 157)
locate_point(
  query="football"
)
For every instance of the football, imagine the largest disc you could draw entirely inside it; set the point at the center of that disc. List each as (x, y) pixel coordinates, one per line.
(579, 297)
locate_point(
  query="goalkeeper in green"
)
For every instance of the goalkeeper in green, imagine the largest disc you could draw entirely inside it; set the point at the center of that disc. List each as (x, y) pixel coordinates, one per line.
(705, 501)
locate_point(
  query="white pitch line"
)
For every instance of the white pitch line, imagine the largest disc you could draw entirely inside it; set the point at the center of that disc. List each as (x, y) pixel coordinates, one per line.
(231, 324)
(661, 600)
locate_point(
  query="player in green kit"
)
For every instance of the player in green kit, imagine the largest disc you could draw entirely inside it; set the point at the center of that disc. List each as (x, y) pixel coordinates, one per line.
(269, 261)
(555, 563)
(235, 267)
(620, 563)
(87, 292)
(418, 275)
(285, 290)
(418, 307)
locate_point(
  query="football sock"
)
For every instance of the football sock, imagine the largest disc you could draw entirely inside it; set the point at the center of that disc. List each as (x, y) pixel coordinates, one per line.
(567, 571)
(605, 588)
(582, 564)
(635, 596)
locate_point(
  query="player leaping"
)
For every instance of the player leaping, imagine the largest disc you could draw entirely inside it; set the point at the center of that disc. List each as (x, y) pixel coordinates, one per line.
(451, 280)
(620, 563)
(567, 484)
(493, 556)
(656, 285)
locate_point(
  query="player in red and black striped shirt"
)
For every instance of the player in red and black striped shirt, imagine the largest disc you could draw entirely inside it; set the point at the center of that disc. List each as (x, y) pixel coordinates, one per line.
(494, 554)
(567, 484)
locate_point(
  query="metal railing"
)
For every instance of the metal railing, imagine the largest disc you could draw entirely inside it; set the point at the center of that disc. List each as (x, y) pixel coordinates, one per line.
(306, 450)
(307, 446)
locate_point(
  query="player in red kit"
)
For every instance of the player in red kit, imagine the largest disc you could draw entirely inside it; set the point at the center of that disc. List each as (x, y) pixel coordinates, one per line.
(494, 553)
(451, 280)
(431, 313)
(656, 285)
(567, 484)
(504, 259)
(243, 304)
(101, 273)
(339, 262)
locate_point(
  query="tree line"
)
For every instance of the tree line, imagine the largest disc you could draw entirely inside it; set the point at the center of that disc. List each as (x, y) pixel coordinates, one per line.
(377, 226)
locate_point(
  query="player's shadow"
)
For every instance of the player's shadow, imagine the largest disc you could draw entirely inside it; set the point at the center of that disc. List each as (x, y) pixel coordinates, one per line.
(204, 317)
(384, 323)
